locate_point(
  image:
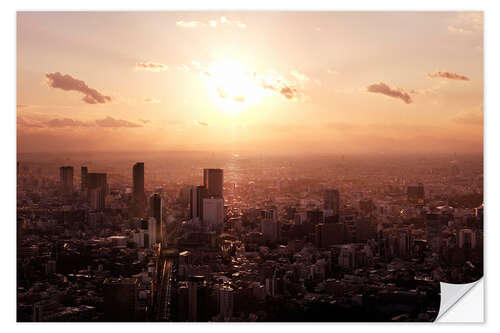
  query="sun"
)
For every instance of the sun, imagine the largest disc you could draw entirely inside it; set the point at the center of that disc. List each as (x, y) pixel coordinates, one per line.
(234, 87)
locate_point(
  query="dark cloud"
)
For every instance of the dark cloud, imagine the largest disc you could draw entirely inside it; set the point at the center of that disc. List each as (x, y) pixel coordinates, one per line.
(69, 83)
(448, 75)
(115, 123)
(202, 123)
(288, 92)
(67, 122)
(382, 88)
(151, 66)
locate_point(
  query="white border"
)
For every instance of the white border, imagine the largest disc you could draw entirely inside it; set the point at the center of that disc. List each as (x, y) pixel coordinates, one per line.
(8, 132)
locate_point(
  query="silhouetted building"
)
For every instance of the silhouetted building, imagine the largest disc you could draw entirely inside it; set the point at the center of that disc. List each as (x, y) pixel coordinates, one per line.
(97, 189)
(66, 178)
(332, 201)
(198, 193)
(155, 207)
(138, 193)
(213, 180)
(120, 299)
(213, 213)
(83, 179)
(415, 194)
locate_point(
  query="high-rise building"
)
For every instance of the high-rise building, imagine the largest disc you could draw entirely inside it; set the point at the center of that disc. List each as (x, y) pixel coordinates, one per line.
(83, 182)
(97, 189)
(66, 178)
(120, 299)
(155, 210)
(466, 239)
(138, 185)
(196, 286)
(226, 299)
(213, 180)
(198, 193)
(270, 230)
(213, 213)
(416, 194)
(332, 201)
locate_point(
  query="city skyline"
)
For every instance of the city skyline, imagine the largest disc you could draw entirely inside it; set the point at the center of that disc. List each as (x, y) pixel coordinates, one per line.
(251, 82)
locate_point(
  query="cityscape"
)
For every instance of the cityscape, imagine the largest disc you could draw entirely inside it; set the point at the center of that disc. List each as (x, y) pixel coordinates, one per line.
(247, 166)
(343, 238)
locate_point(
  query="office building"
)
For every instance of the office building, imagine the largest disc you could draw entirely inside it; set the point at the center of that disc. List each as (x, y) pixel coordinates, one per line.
(138, 193)
(416, 194)
(226, 300)
(97, 189)
(213, 180)
(213, 213)
(83, 178)
(155, 210)
(66, 178)
(332, 201)
(198, 193)
(120, 299)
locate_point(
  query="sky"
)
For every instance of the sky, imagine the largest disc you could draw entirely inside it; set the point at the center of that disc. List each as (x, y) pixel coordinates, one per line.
(264, 82)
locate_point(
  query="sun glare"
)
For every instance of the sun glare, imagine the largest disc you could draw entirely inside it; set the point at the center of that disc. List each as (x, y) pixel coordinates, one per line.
(233, 86)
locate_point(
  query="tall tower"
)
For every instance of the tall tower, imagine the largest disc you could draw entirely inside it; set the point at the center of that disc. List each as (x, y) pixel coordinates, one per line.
(97, 189)
(213, 180)
(66, 178)
(198, 193)
(155, 210)
(332, 201)
(83, 183)
(138, 185)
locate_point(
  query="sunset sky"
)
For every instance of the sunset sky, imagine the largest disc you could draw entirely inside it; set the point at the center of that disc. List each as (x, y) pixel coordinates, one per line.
(272, 82)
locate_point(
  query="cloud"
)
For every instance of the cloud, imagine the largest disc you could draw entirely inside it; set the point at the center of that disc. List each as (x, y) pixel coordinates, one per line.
(222, 21)
(289, 89)
(467, 23)
(69, 83)
(144, 121)
(201, 123)
(151, 100)
(301, 77)
(25, 123)
(382, 88)
(115, 123)
(66, 122)
(448, 75)
(332, 71)
(469, 118)
(151, 66)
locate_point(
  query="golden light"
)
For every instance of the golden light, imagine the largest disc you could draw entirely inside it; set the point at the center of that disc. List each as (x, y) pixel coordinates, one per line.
(234, 87)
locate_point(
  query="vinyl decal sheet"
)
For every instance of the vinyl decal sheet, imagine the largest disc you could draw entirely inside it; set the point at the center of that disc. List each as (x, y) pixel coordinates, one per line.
(249, 166)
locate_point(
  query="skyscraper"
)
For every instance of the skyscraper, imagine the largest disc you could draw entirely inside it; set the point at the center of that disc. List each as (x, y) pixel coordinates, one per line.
(138, 185)
(84, 172)
(198, 193)
(332, 201)
(213, 213)
(97, 189)
(155, 210)
(66, 178)
(213, 180)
